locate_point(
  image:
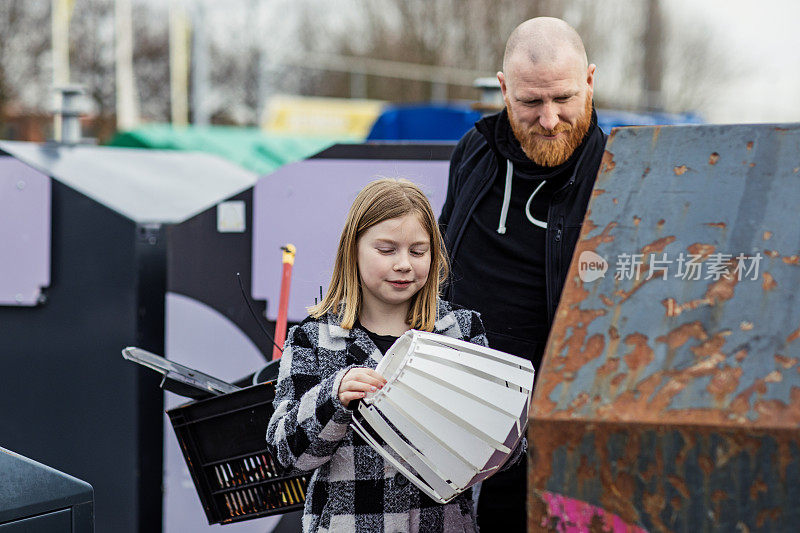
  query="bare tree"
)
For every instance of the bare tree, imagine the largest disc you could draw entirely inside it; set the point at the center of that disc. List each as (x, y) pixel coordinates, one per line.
(24, 55)
(151, 61)
(653, 52)
(92, 60)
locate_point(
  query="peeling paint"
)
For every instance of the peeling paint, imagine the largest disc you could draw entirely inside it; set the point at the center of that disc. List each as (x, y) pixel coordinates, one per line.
(680, 170)
(607, 164)
(769, 282)
(703, 250)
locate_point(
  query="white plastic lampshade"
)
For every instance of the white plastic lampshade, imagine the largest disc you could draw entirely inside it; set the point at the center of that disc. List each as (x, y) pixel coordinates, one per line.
(450, 413)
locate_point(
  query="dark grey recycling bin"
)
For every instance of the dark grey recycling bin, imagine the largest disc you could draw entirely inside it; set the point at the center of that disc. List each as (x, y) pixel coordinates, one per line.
(83, 259)
(37, 498)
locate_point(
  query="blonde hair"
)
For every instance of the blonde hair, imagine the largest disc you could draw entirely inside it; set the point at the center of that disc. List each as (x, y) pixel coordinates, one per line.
(380, 200)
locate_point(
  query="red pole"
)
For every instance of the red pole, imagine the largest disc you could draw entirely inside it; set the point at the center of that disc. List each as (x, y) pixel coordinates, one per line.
(289, 252)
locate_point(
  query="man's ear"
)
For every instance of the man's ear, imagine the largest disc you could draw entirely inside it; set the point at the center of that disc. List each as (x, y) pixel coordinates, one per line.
(502, 79)
(590, 75)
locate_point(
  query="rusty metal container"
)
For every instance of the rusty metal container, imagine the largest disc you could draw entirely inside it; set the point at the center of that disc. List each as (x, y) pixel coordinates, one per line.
(669, 394)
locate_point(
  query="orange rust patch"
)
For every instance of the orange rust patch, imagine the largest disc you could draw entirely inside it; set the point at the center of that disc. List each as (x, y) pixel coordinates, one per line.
(773, 377)
(586, 470)
(636, 220)
(723, 383)
(785, 362)
(752, 165)
(660, 224)
(767, 235)
(703, 250)
(656, 133)
(677, 309)
(641, 355)
(746, 326)
(608, 368)
(711, 346)
(720, 225)
(719, 495)
(749, 146)
(721, 290)
(681, 170)
(767, 514)
(607, 164)
(794, 336)
(792, 260)
(769, 282)
(671, 308)
(771, 253)
(713, 158)
(757, 488)
(680, 486)
(740, 356)
(680, 335)
(580, 400)
(598, 192)
(659, 245)
(616, 201)
(706, 465)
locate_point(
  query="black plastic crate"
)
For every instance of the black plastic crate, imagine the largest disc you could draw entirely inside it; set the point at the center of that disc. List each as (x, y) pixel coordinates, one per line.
(224, 443)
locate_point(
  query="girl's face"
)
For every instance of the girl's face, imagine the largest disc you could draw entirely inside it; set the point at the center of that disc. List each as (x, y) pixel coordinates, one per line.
(394, 258)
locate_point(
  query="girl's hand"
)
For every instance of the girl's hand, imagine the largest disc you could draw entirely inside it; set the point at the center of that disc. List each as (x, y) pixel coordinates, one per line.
(357, 382)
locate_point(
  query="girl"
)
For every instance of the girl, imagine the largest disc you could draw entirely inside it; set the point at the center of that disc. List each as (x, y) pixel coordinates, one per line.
(388, 271)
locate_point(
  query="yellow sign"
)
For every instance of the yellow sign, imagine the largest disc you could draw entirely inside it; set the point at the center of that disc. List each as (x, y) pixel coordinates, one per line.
(320, 116)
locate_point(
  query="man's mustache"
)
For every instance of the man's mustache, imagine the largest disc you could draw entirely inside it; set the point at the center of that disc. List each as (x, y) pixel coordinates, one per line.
(561, 127)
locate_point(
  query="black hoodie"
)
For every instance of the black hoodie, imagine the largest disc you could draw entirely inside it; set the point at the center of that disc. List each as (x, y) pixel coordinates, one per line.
(509, 269)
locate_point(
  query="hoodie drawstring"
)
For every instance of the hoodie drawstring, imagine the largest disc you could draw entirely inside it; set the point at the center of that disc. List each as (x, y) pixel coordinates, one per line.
(535, 221)
(501, 227)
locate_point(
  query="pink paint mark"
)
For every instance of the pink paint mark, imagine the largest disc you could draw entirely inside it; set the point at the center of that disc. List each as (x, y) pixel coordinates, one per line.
(576, 516)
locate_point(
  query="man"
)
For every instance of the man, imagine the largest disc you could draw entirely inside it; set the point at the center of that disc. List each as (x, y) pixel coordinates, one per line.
(519, 185)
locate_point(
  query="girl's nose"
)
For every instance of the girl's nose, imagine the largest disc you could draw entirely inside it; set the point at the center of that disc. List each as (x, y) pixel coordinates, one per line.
(402, 264)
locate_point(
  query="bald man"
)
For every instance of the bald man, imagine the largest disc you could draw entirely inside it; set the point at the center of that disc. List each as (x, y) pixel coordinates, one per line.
(519, 185)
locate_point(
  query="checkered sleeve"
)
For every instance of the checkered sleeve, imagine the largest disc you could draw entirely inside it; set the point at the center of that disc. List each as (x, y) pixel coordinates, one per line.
(309, 421)
(477, 333)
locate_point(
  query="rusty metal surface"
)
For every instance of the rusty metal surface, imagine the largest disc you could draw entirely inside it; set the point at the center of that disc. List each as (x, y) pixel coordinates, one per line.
(666, 400)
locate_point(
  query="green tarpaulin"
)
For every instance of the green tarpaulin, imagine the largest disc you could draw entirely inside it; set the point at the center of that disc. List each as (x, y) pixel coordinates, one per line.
(251, 148)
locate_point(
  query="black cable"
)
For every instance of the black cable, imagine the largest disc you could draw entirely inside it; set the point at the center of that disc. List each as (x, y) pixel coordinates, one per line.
(252, 312)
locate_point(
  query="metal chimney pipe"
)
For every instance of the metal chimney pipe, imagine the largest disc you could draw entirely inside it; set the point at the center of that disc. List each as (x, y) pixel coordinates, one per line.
(70, 113)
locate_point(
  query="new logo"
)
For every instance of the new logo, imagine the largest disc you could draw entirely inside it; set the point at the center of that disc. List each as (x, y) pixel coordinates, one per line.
(591, 266)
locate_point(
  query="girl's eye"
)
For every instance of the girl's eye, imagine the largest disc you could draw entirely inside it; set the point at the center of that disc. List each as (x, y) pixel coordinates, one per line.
(385, 250)
(418, 253)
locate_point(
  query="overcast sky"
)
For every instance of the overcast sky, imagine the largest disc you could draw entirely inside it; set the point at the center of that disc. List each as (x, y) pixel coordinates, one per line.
(762, 38)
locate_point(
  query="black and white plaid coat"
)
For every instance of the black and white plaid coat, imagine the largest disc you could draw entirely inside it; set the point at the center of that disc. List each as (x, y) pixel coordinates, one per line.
(352, 488)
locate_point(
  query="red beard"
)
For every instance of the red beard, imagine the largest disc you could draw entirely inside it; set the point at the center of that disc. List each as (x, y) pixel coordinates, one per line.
(551, 153)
